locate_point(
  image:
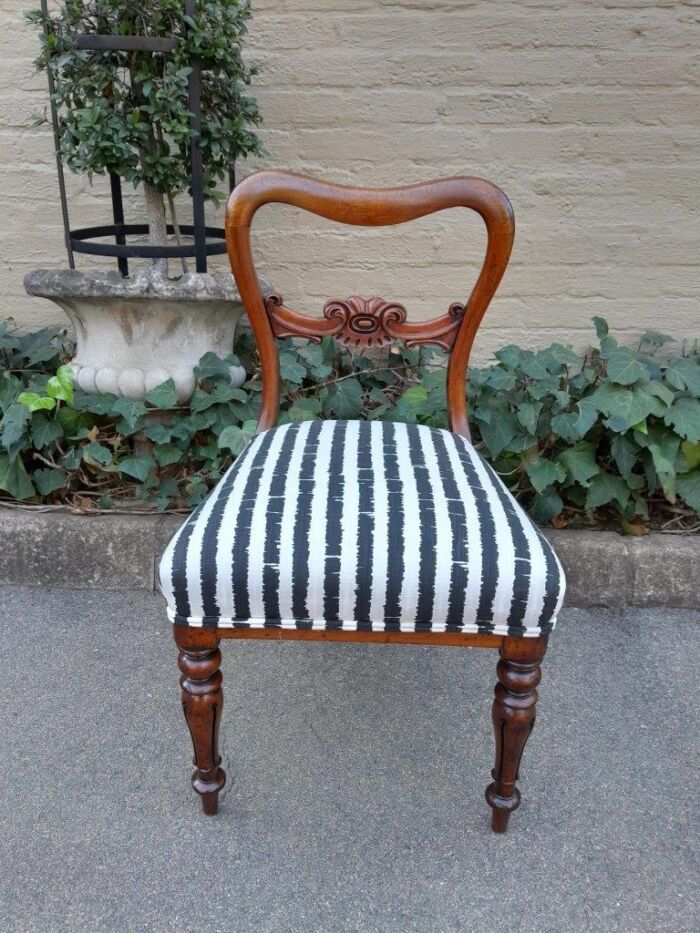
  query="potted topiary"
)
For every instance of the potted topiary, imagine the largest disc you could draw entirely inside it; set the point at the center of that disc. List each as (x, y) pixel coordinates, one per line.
(151, 93)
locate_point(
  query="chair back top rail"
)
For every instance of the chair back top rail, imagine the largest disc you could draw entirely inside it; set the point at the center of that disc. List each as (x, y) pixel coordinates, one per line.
(369, 322)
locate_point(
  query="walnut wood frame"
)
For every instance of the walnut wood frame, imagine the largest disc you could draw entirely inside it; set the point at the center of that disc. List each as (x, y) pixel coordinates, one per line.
(368, 207)
(363, 322)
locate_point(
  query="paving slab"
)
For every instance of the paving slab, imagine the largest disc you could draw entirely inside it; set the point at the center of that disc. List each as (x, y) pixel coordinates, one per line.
(355, 799)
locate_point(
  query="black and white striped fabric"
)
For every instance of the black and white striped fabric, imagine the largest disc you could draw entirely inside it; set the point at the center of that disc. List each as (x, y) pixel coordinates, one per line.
(360, 525)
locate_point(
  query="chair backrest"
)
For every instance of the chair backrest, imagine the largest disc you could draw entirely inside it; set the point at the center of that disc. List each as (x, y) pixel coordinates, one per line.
(373, 322)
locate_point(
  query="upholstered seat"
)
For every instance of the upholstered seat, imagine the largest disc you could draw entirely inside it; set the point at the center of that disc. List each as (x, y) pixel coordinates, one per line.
(359, 525)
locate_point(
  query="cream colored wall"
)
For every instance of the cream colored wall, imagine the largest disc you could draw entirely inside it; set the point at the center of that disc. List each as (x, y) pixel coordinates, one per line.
(586, 113)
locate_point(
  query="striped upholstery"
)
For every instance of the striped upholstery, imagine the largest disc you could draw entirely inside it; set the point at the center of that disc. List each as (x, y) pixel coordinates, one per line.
(362, 525)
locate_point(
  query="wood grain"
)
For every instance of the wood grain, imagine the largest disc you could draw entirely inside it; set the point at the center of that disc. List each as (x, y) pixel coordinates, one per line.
(368, 207)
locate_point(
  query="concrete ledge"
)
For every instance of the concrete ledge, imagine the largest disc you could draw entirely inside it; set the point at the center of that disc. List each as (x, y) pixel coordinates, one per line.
(113, 552)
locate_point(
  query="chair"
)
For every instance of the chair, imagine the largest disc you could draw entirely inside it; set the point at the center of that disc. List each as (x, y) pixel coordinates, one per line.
(363, 531)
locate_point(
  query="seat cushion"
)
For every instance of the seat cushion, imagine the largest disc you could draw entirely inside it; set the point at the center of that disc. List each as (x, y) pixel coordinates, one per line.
(359, 525)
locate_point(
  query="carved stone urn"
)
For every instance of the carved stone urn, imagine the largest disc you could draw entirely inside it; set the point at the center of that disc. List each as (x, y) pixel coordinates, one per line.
(132, 333)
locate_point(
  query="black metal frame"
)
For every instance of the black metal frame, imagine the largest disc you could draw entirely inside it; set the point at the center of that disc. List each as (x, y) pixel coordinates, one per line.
(77, 241)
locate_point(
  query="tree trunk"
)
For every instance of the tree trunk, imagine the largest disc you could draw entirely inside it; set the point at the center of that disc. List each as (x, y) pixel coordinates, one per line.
(158, 232)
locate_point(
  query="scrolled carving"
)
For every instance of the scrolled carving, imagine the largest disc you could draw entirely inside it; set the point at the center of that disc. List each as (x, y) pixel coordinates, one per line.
(364, 323)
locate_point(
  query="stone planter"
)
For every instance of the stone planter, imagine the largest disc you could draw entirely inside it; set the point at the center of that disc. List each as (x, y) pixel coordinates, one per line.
(134, 333)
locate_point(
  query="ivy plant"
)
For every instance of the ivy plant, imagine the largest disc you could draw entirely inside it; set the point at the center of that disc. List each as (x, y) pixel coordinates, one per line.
(127, 112)
(610, 436)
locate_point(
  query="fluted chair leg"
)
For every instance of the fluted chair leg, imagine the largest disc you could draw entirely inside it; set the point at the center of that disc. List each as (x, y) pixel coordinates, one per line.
(202, 701)
(513, 719)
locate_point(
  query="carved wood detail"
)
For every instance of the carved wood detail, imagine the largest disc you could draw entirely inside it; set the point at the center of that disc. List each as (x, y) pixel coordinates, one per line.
(364, 323)
(199, 660)
(513, 716)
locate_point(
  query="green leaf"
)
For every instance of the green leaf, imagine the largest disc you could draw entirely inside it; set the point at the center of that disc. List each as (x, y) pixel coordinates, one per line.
(345, 399)
(510, 356)
(684, 416)
(534, 365)
(97, 453)
(97, 404)
(291, 369)
(33, 402)
(587, 416)
(684, 373)
(660, 390)
(546, 506)
(38, 347)
(220, 394)
(601, 327)
(13, 424)
(565, 425)
(158, 433)
(73, 421)
(652, 340)
(605, 488)
(232, 438)
(45, 430)
(625, 407)
(624, 368)
(163, 395)
(314, 356)
(305, 409)
(138, 467)
(689, 488)
(579, 462)
(499, 432)
(71, 458)
(502, 380)
(543, 472)
(207, 452)
(663, 450)
(527, 414)
(541, 388)
(60, 386)
(564, 354)
(166, 454)
(131, 411)
(691, 453)
(414, 396)
(14, 478)
(625, 454)
(212, 366)
(48, 481)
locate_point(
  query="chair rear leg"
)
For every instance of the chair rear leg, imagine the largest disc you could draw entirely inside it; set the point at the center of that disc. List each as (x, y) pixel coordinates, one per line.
(202, 701)
(513, 720)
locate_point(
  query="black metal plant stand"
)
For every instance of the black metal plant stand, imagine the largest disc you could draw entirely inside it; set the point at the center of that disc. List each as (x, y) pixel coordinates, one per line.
(207, 241)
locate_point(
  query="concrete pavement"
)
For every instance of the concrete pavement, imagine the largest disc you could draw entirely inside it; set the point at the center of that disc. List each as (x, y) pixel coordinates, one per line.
(356, 779)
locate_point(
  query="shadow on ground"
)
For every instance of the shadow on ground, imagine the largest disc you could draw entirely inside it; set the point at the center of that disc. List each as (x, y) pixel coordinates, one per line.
(356, 780)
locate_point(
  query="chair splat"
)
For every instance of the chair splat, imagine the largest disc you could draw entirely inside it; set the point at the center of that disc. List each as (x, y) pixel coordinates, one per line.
(364, 323)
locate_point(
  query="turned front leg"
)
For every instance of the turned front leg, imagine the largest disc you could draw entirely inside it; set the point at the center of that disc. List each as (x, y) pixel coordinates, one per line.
(202, 701)
(513, 719)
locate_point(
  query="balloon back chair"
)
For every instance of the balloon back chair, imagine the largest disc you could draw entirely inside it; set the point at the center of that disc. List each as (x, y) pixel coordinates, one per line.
(363, 531)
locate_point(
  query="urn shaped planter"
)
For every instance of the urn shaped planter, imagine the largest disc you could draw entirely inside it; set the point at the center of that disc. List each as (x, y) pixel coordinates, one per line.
(134, 333)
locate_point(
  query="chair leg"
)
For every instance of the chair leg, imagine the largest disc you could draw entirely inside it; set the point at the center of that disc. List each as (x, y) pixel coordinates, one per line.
(202, 701)
(513, 719)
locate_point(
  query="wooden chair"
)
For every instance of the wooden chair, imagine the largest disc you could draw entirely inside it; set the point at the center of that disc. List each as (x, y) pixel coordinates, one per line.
(363, 531)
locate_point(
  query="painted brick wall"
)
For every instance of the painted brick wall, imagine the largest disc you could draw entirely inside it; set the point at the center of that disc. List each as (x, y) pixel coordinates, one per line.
(586, 113)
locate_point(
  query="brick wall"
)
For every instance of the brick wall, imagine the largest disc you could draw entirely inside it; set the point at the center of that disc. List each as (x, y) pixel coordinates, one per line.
(585, 113)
